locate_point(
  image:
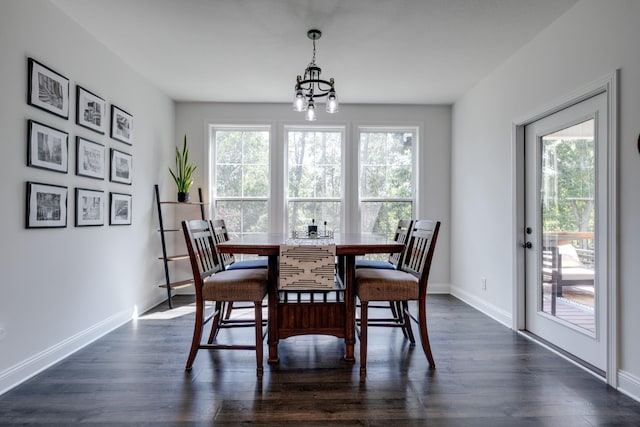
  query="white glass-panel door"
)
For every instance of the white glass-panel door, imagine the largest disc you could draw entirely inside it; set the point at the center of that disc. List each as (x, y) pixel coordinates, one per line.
(565, 185)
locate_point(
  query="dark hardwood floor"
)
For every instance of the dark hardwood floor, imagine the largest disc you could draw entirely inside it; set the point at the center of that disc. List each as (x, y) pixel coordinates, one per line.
(486, 375)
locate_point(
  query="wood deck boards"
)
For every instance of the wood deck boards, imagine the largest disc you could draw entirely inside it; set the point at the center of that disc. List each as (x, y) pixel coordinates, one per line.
(573, 312)
(486, 375)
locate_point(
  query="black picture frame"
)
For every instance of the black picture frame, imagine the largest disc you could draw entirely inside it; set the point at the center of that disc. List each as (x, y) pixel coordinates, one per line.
(90, 110)
(120, 209)
(47, 89)
(47, 147)
(90, 206)
(46, 205)
(90, 158)
(121, 125)
(121, 167)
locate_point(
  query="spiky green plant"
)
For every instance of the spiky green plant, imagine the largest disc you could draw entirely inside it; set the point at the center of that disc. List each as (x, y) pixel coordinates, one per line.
(183, 176)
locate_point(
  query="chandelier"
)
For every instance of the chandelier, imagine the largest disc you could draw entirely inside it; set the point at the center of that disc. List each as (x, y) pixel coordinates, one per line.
(311, 86)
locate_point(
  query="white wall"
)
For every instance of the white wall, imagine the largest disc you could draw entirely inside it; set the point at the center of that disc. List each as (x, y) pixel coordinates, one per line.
(434, 124)
(591, 40)
(61, 288)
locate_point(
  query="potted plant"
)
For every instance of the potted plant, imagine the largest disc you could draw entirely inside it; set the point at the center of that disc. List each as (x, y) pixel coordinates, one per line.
(183, 176)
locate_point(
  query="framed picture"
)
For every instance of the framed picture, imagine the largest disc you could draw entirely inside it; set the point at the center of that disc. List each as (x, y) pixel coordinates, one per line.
(89, 207)
(120, 209)
(121, 125)
(120, 167)
(90, 158)
(47, 147)
(46, 205)
(90, 110)
(48, 89)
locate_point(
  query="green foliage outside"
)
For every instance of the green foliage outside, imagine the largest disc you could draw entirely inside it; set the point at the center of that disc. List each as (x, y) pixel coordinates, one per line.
(241, 173)
(315, 172)
(386, 169)
(568, 190)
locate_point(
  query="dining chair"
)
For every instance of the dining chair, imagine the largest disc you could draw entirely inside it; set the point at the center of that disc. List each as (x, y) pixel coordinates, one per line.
(407, 283)
(213, 283)
(401, 235)
(403, 228)
(229, 261)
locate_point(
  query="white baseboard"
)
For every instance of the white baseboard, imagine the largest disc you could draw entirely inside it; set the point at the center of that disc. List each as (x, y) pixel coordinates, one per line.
(438, 288)
(629, 385)
(37, 363)
(152, 302)
(490, 310)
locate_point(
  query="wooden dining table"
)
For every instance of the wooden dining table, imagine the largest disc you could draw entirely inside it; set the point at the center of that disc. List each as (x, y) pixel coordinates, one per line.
(326, 317)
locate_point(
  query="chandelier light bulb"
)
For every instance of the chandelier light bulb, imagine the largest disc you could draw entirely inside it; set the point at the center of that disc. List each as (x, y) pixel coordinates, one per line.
(299, 102)
(332, 102)
(311, 111)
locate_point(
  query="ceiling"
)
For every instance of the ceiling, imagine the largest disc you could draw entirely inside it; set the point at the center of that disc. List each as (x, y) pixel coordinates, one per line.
(378, 51)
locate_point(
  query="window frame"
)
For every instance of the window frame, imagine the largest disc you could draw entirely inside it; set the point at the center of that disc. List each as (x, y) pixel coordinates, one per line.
(277, 201)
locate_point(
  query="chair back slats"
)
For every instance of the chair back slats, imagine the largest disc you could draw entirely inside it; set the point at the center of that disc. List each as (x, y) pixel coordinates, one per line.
(403, 230)
(420, 250)
(221, 234)
(201, 246)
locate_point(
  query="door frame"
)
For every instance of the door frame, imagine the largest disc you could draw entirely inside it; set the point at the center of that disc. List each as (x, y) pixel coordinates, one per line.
(608, 85)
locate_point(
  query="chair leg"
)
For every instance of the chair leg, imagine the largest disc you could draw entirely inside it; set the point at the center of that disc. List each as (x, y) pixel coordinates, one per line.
(215, 322)
(197, 334)
(363, 337)
(424, 336)
(394, 310)
(406, 322)
(398, 314)
(228, 311)
(258, 315)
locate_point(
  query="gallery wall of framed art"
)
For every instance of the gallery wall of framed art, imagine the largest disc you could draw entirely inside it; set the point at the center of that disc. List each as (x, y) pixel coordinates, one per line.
(48, 203)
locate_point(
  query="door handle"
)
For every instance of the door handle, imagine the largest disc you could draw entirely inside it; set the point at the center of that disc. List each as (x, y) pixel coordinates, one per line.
(527, 245)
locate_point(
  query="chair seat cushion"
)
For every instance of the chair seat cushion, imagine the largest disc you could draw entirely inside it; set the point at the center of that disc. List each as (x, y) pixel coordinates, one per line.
(374, 263)
(249, 263)
(385, 285)
(236, 285)
(577, 273)
(570, 273)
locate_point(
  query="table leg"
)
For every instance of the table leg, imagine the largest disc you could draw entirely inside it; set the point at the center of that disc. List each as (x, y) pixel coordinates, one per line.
(272, 322)
(350, 307)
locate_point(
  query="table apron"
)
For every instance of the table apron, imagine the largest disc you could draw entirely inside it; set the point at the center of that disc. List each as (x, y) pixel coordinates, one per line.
(304, 318)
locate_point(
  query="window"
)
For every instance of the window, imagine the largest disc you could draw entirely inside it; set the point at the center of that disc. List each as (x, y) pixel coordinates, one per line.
(314, 178)
(241, 177)
(386, 181)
